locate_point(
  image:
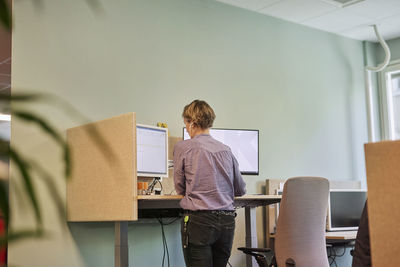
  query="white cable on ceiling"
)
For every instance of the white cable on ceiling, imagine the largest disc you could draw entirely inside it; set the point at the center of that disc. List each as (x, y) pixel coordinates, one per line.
(387, 52)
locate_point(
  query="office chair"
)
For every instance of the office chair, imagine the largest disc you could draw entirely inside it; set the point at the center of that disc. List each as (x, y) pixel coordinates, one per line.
(300, 230)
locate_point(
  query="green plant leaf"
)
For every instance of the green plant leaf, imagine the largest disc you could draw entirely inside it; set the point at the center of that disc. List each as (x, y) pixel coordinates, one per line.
(72, 112)
(45, 126)
(92, 130)
(23, 167)
(20, 235)
(52, 189)
(4, 147)
(4, 205)
(30, 117)
(67, 160)
(26, 167)
(21, 97)
(5, 15)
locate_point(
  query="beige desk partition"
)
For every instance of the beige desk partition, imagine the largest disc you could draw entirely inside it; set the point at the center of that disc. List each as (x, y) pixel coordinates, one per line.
(103, 186)
(383, 178)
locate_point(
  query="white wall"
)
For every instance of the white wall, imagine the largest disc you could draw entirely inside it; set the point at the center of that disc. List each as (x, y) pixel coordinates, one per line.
(302, 88)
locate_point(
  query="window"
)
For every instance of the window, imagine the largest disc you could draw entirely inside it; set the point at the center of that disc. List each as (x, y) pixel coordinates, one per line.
(390, 101)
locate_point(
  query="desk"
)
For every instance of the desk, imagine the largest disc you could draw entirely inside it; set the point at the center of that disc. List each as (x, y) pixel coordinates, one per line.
(249, 202)
(341, 236)
(334, 239)
(338, 236)
(342, 239)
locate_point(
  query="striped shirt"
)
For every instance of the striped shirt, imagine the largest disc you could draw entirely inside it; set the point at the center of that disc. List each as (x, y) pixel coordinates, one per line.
(207, 174)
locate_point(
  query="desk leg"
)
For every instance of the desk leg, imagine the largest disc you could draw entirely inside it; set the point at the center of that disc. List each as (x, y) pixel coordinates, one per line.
(121, 245)
(251, 234)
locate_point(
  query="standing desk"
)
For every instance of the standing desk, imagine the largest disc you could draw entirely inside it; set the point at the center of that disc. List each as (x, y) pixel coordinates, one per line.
(103, 184)
(159, 202)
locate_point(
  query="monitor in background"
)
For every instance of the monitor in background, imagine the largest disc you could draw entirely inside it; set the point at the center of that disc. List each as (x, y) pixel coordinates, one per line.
(345, 207)
(243, 144)
(152, 151)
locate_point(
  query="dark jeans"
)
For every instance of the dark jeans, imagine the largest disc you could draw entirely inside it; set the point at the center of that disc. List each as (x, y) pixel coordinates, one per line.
(207, 239)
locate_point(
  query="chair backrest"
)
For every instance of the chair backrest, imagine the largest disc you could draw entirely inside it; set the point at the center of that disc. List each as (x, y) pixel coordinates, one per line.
(300, 230)
(271, 187)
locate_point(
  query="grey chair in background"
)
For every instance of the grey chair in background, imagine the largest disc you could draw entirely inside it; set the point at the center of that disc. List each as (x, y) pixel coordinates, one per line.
(300, 230)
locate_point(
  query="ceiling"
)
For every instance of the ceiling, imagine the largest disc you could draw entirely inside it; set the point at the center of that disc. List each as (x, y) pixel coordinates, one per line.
(353, 20)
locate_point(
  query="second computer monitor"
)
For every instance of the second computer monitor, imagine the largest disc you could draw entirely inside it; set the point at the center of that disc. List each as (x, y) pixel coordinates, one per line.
(152, 151)
(345, 207)
(243, 144)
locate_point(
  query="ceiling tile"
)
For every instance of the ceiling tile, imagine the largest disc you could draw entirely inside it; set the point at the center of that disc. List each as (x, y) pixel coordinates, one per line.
(352, 21)
(250, 4)
(337, 21)
(391, 33)
(361, 33)
(388, 28)
(298, 11)
(375, 9)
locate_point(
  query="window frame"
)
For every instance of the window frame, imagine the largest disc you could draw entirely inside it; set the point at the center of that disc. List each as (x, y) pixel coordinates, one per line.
(386, 100)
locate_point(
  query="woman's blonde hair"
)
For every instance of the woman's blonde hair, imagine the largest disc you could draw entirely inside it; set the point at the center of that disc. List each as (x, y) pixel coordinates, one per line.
(199, 113)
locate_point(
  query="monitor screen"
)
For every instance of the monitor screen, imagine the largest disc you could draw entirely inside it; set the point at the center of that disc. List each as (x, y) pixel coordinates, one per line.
(152, 151)
(345, 208)
(244, 146)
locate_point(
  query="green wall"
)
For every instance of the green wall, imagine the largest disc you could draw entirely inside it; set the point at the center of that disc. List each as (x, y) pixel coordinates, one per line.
(302, 88)
(394, 46)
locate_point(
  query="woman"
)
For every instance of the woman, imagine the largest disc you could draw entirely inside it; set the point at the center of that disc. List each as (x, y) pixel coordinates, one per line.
(207, 174)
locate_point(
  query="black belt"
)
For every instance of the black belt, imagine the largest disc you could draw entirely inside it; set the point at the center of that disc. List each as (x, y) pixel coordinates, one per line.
(218, 212)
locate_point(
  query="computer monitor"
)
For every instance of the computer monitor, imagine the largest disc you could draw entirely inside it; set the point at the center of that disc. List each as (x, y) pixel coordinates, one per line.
(345, 207)
(243, 144)
(152, 151)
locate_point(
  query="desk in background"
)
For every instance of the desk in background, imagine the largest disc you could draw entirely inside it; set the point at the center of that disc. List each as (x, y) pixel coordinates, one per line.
(337, 236)
(165, 203)
(341, 236)
(271, 186)
(339, 241)
(334, 240)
